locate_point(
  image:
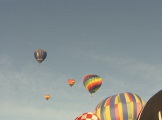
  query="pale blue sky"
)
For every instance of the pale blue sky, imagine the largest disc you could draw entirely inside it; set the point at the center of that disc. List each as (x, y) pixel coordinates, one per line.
(119, 40)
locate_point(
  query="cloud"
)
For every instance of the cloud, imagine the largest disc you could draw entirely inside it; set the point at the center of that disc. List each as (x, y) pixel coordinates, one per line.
(23, 89)
(130, 66)
(22, 92)
(130, 74)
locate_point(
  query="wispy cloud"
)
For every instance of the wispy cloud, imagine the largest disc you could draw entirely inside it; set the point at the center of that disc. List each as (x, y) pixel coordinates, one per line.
(130, 74)
(22, 92)
(130, 66)
(23, 89)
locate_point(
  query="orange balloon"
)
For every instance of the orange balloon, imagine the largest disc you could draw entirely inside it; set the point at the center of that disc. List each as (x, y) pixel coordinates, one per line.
(71, 82)
(47, 96)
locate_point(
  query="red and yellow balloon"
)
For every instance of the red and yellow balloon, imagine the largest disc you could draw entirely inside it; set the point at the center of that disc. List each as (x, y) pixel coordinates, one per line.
(87, 116)
(71, 82)
(47, 96)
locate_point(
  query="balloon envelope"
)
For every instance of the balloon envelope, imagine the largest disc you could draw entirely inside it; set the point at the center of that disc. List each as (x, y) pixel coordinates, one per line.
(40, 55)
(152, 109)
(71, 82)
(92, 82)
(123, 106)
(87, 116)
(47, 96)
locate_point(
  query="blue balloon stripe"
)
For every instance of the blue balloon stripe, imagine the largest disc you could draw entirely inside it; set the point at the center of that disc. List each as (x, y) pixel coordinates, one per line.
(103, 109)
(112, 110)
(124, 106)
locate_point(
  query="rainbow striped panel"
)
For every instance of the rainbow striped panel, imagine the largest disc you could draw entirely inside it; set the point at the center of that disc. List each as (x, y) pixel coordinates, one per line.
(92, 82)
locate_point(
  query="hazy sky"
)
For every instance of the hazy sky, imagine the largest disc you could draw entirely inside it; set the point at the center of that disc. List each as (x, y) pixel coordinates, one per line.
(119, 40)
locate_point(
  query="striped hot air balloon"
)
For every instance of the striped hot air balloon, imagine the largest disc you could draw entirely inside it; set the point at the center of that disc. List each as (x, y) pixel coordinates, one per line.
(87, 116)
(123, 106)
(92, 82)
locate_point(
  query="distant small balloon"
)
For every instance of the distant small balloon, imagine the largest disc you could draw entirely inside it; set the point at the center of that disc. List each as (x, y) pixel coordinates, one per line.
(71, 82)
(47, 96)
(40, 55)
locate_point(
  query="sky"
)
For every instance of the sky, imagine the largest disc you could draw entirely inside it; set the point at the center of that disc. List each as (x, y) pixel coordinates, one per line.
(119, 40)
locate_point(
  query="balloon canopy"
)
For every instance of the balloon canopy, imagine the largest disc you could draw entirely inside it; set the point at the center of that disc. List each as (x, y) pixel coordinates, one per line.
(47, 96)
(71, 82)
(123, 106)
(153, 108)
(40, 55)
(92, 82)
(87, 116)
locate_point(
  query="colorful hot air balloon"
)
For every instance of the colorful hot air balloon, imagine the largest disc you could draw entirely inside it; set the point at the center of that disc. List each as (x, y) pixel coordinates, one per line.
(40, 55)
(47, 96)
(71, 82)
(87, 116)
(123, 106)
(92, 82)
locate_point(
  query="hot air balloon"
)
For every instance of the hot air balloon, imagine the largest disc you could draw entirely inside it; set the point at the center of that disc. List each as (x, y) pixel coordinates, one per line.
(152, 109)
(123, 106)
(87, 116)
(40, 55)
(47, 96)
(92, 82)
(71, 82)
